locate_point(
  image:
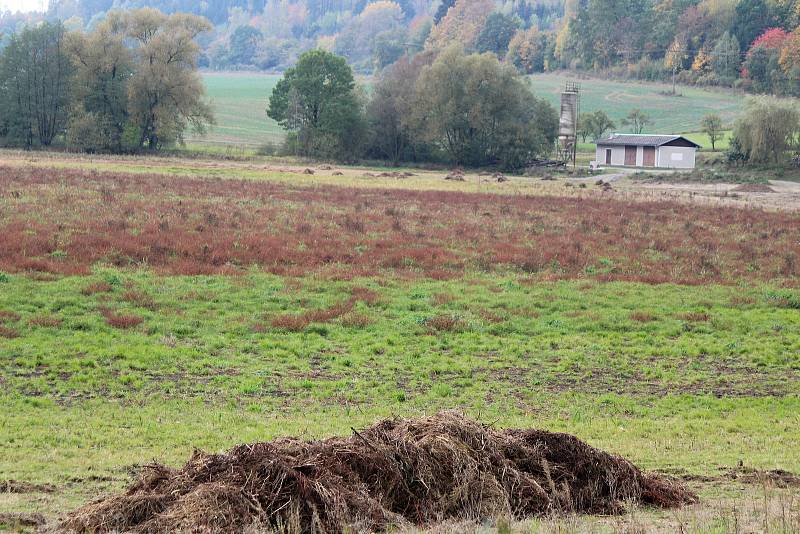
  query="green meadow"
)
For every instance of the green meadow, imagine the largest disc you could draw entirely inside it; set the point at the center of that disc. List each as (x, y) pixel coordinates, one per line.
(240, 102)
(683, 379)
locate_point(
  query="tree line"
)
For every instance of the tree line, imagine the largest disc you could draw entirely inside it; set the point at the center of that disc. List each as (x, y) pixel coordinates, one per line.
(454, 107)
(751, 44)
(130, 84)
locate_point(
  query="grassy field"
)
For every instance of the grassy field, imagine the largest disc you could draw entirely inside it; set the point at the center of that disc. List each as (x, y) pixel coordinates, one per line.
(240, 105)
(240, 101)
(151, 306)
(669, 114)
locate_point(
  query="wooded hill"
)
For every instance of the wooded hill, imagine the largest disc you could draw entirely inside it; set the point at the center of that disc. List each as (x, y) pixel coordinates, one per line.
(754, 44)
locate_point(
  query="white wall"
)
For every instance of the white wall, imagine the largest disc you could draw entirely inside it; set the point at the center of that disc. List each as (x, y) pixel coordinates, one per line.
(670, 157)
(675, 157)
(617, 155)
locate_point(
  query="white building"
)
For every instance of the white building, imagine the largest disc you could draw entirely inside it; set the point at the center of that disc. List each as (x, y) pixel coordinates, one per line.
(632, 150)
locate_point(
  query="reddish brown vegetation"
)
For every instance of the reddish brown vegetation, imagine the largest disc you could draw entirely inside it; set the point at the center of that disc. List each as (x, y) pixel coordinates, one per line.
(139, 299)
(7, 316)
(356, 320)
(642, 317)
(695, 317)
(45, 321)
(491, 317)
(97, 287)
(8, 333)
(365, 295)
(186, 225)
(443, 323)
(120, 321)
(296, 323)
(738, 301)
(393, 475)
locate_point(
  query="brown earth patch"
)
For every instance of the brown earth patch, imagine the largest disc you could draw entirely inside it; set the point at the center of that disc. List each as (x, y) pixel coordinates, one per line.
(17, 486)
(16, 519)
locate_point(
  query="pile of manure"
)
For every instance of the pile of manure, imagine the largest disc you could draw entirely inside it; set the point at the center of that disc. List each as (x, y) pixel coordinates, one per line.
(397, 473)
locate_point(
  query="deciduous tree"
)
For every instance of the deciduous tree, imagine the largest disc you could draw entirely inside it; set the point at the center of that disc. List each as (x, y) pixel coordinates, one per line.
(166, 94)
(712, 127)
(637, 120)
(104, 67)
(769, 127)
(35, 74)
(316, 100)
(496, 34)
(480, 111)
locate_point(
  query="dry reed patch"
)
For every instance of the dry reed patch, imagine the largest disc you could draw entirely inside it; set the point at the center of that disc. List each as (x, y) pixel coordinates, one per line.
(397, 473)
(19, 486)
(528, 313)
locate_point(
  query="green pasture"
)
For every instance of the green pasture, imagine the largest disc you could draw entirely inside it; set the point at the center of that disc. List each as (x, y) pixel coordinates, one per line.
(240, 102)
(683, 379)
(670, 114)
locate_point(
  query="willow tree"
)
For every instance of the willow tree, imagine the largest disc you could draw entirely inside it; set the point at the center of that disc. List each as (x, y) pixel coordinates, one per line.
(166, 94)
(769, 128)
(104, 67)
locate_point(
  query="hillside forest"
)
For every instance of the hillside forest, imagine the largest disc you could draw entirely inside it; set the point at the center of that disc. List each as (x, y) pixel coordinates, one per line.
(749, 44)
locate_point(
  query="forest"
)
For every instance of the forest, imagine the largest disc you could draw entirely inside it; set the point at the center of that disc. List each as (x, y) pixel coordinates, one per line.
(749, 44)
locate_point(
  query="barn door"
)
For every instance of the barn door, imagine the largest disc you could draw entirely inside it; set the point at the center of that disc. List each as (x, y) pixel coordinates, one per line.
(649, 156)
(630, 156)
(608, 156)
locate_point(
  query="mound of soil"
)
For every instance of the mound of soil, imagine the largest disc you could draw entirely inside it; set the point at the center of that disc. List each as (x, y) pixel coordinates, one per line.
(753, 188)
(399, 472)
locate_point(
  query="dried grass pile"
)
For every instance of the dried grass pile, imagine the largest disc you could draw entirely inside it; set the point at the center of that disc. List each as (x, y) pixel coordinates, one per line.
(397, 472)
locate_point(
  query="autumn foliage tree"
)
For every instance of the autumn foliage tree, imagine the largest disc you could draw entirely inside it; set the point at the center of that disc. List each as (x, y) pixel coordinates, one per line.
(461, 25)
